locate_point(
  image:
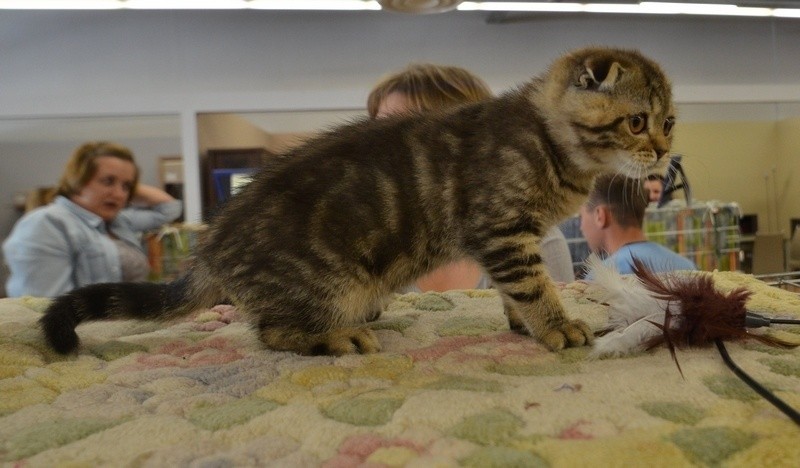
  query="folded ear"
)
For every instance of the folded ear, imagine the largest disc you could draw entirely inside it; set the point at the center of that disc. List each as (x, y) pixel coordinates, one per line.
(599, 74)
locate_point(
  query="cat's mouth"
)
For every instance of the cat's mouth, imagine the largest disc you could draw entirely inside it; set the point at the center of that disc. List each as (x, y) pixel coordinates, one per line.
(638, 164)
(645, 158)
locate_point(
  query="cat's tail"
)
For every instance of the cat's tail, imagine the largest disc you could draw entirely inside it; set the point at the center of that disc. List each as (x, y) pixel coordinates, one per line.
(111, 301)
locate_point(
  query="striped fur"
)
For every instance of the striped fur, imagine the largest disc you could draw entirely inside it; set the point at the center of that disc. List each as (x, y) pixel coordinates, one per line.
(314, 245)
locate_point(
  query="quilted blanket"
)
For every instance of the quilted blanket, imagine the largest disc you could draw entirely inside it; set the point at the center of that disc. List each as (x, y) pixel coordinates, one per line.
(452, 387)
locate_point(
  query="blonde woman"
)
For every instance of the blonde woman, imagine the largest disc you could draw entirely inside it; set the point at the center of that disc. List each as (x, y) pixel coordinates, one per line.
(90, 233)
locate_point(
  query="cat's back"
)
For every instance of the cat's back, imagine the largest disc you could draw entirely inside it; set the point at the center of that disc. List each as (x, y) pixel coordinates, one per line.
(405, 173)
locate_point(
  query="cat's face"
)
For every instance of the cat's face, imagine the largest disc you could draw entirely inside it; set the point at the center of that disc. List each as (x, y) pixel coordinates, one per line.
(616, 110)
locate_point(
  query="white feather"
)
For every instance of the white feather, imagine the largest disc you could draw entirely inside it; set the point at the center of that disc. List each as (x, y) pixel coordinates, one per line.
(632, 308)
(627, 340)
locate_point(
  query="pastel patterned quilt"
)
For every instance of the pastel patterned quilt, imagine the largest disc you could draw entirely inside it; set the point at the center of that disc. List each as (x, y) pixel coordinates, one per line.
(452, 387)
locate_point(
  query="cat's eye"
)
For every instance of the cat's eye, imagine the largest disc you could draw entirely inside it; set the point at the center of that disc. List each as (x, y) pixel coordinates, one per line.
(668, 124)
(637, 123)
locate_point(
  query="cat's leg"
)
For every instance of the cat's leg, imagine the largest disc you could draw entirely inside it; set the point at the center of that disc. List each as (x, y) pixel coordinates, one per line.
(374, 312)
(543, 316)
(337, 342)
(311, 326)
(530, 299)
(515, 323)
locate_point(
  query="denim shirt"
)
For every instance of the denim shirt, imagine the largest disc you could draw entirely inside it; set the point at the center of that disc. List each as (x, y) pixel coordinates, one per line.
(62, 246)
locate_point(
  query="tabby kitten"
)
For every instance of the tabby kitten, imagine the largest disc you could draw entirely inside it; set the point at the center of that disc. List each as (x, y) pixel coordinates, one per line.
(312, 247)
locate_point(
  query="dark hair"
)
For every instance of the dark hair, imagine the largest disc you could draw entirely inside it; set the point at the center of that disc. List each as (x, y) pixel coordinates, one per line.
(625, 198)
(82, 166)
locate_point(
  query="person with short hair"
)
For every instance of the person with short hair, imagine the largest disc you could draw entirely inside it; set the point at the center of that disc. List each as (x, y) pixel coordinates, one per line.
(654, 184)
(611, 222)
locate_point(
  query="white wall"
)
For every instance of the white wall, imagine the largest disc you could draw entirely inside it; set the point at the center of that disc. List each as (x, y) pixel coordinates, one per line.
(139, 61)
(181, 63)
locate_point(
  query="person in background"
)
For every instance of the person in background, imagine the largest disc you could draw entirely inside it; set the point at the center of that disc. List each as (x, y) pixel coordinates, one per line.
(429, 87)
(611, 222)
(654, 184)
(91, 232)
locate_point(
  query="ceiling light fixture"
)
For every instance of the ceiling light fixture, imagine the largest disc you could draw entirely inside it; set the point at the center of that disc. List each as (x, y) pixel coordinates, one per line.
(329, 5)
(645, 8)
(419, 6)
(59, 5)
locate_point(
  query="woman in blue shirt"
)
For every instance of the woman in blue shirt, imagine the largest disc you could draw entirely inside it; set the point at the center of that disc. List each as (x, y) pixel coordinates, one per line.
(91, 231)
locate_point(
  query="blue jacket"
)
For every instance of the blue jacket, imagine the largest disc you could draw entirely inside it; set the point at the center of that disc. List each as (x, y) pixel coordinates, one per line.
(62, 246)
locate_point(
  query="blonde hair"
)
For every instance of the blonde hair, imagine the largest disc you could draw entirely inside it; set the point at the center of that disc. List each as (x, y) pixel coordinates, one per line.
(82, 166)
(429, 86)
(39, 196)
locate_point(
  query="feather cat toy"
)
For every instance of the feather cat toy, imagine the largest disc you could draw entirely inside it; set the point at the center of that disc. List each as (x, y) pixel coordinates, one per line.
(679, 310)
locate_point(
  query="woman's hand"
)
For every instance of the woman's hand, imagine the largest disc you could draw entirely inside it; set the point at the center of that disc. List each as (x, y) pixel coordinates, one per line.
(148, 195)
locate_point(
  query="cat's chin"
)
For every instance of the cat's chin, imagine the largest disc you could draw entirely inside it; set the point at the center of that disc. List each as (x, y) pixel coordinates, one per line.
(634, 166)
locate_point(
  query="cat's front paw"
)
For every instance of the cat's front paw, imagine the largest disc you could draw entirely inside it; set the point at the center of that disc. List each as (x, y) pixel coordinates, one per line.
(568, 334)
(349, 341)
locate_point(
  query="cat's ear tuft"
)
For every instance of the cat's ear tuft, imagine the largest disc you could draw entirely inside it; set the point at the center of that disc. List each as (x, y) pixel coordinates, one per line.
(599, 74)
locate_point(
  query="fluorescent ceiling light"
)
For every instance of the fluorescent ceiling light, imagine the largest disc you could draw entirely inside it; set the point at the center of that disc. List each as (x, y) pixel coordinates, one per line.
(59, 5)
(645, 7)
(181, 4)
(522, 7)
(321, 5)
(662, 8)
(702, 9)
(338, 5)
(786, 12)
(343, 5)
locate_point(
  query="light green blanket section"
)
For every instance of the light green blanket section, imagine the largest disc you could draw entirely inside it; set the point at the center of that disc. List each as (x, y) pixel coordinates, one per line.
(452, 387)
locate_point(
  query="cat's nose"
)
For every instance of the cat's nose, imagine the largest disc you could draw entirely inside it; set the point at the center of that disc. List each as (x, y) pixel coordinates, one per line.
(660, 153)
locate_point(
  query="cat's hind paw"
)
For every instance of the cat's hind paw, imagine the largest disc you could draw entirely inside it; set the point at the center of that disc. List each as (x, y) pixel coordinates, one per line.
(569, 334)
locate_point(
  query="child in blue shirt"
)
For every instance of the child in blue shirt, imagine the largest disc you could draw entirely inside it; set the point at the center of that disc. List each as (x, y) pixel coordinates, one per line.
(611, 222)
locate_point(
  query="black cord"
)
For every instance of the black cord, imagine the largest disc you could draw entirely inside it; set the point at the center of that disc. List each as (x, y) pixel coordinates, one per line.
(754, 320)
(769, 396)
(785, 321)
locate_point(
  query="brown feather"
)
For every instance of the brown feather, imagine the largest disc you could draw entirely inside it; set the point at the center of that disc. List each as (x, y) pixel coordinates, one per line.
(701, 313)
